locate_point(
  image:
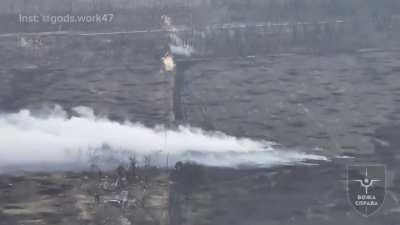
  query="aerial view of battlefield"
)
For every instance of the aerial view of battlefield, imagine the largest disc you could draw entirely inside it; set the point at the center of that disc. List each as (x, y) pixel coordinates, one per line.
(199, 112)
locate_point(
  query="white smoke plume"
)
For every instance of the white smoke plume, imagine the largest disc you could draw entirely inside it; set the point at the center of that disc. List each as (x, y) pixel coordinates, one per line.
(56, 138)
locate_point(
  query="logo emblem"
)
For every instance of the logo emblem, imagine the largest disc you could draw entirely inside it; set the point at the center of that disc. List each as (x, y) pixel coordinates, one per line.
(366, 187)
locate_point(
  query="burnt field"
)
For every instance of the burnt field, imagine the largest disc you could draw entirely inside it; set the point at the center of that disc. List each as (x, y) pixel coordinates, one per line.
(332, 102)
(318, 77)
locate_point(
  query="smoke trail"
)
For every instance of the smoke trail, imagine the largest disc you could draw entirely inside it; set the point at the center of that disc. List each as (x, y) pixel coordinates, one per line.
(56, 138)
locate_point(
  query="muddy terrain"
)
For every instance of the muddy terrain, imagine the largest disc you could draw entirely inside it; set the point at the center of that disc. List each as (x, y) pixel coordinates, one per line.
(331, 103)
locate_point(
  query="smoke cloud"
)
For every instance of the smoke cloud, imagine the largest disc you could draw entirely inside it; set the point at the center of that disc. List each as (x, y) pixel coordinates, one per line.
(27, 138)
